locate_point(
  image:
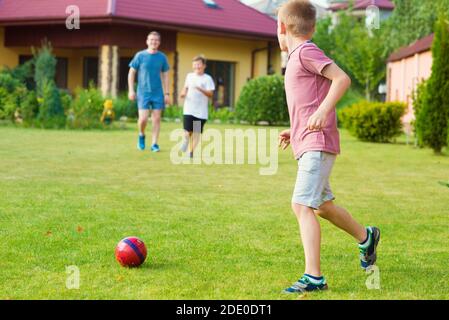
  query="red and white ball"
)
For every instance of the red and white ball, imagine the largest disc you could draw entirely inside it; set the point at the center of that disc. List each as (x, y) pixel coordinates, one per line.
(131, 252)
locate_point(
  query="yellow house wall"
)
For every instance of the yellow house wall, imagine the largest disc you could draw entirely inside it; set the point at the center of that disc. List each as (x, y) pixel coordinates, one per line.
(276, 60)
(260, 65)
(222, 49)
(8, 57)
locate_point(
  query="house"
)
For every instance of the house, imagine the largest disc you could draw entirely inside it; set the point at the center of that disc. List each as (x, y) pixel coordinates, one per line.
(239, 42)
(406, 68)
(270, 6)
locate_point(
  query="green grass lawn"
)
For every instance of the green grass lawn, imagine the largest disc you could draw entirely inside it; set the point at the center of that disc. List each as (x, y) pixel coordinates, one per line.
(213, 232)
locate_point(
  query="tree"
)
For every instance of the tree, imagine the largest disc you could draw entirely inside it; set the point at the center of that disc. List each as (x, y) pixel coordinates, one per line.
(359, 51)
(433, 113)
(51, 111)
(412, 20)
(323, 36)
(45, 67)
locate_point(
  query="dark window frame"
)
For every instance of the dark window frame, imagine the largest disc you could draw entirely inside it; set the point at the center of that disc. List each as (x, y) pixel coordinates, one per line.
(86, 76)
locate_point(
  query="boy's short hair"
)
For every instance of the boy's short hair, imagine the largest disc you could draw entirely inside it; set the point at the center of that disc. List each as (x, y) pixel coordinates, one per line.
(200, 58)
(299, 17)
(154, 33)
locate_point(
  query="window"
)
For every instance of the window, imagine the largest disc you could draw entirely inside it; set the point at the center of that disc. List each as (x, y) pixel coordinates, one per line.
(211, 4)
(90, 73)
(62, 72)
(61, 69)
(23, 59)
(223, 75)
(124, 69)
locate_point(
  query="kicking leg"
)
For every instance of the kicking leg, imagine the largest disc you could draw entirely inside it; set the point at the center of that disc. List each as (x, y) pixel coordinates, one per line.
(342, 219)
(368, 238)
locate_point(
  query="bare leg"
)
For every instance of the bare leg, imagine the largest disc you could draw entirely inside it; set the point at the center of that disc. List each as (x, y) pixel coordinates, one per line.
(143, 120)
(186, 143)
(342, 219)
(156, 118)
(311, 238)
(195, 139)
(187, 135)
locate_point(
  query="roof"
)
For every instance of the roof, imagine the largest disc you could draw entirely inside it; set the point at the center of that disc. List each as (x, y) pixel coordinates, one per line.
(421, 45)
(231, 16)
(363, 4)
(270, 6)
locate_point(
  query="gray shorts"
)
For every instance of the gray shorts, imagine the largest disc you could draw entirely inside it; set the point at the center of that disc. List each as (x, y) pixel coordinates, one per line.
(312, 187)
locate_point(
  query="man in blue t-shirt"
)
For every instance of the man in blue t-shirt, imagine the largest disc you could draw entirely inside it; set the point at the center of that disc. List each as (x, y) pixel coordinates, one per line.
(153, 94)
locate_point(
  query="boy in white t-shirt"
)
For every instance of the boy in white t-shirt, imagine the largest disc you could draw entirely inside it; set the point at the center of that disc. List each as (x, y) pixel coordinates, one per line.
(198, 89)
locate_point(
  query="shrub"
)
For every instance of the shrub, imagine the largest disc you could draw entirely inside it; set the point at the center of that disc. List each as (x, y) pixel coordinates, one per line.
(225, 115)
(173, 112)
(23, 73)
(11, 91)
(66, 100)
(29, 108)
(124, 107)
(51, 112)
(8, 82)
(7, 104)
(263, 99)
(87, 108)
(373, 121)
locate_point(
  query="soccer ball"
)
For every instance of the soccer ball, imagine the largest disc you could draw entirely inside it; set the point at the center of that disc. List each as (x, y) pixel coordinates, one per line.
(131, 252)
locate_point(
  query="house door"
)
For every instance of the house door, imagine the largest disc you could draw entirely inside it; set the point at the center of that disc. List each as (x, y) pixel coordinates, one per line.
(223, 74)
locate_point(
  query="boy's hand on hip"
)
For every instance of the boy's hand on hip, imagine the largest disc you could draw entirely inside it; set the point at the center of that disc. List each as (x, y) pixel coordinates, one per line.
(317, 121)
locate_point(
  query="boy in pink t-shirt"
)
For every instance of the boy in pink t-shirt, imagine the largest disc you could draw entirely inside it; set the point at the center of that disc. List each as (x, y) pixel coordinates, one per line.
(314, 84)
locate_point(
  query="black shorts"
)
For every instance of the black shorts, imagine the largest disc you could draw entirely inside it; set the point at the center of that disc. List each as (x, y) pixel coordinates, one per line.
(189, 123)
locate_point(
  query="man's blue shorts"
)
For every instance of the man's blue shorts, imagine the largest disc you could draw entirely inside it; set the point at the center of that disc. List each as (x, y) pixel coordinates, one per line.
(150, 102)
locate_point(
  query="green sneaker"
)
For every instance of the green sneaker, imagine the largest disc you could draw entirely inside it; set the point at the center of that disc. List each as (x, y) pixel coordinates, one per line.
(368, 252)
(307, 283)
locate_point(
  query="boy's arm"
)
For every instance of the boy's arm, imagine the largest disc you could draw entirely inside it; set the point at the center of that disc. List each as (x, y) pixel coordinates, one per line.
(340, 83)
(184, 92)
(207, 93)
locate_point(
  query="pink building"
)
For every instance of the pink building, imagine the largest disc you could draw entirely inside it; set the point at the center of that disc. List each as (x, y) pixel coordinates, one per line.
(406, 68)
